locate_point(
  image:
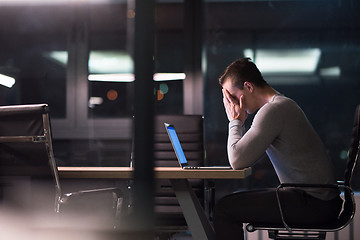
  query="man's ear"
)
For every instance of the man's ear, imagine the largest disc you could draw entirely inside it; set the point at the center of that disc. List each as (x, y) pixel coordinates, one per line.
(249, 86)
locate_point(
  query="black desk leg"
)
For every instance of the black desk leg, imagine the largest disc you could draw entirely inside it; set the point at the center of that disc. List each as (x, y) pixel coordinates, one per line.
(195, 217)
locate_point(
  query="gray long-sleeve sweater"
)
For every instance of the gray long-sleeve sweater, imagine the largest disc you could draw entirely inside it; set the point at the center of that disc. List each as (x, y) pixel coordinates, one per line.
(281, 129)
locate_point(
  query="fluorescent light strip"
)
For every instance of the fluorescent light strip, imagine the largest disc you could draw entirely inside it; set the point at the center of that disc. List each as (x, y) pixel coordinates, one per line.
(129, 77)
(49, 2)
(112, 61)
(7, 81)
(121, 77)
(169, 76)
(96, 100)
(275, 61)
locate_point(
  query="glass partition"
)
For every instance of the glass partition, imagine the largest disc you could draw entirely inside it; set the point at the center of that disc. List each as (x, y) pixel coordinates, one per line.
(33, 56)
(79, 59)
(111, 63)
(314, 60)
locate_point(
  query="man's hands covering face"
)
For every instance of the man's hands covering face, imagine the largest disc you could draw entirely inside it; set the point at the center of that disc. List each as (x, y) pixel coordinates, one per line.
(234, 109)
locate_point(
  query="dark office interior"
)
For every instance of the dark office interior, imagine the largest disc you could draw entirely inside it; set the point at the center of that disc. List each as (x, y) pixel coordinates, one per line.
(79, 58)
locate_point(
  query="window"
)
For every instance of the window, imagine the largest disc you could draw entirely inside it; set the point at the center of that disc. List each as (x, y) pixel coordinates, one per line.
(326, 86)
(37, 72)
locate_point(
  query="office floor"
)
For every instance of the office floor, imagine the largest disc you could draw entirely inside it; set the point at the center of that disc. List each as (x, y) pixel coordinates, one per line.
(176, 236)
(181, 236)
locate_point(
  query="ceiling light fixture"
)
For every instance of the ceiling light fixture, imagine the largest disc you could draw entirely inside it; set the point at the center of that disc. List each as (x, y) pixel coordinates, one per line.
(285, 61)
(7, 81)
(129, 77)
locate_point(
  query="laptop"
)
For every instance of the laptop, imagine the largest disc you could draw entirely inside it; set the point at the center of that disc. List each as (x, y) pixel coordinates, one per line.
(170, 129)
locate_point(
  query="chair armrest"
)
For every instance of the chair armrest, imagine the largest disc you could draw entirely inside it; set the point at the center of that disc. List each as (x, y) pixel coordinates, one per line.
(339, 185)
(117, 198)
(307, 185)
(66, 196)
(304, 185)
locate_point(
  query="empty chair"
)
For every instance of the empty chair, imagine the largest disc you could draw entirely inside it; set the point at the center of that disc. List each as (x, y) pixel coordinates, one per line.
(190, 130)
(28, 173)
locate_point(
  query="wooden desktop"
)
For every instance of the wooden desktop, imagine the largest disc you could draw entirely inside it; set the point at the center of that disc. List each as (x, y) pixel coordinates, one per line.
(195, 216)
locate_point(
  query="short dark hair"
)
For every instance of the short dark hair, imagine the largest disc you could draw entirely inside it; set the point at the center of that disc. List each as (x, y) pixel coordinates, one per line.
(243, 70)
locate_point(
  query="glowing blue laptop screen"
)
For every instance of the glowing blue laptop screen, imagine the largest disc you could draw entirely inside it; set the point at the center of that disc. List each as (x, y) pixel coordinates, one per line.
(176, 144)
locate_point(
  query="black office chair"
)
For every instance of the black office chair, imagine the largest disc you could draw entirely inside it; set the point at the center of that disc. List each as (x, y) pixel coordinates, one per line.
(168, 213)
(288, 231)
(29, 177)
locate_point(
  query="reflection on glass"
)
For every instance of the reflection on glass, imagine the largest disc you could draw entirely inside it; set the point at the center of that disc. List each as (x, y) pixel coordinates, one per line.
(278, 61)
(7, 81)
(330, 72)
(60, 57)
(110, 61)
(34, 72)
(168, 97)
(130, 77)
(314, 61)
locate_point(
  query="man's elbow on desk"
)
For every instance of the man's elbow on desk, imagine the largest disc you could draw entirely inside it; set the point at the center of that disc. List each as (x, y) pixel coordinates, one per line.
(236, 161)
(238, 165)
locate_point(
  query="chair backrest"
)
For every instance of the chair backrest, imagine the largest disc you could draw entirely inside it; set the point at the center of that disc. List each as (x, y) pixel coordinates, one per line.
(190, 132)
(349, 206)
(353, 150)
(26, 151)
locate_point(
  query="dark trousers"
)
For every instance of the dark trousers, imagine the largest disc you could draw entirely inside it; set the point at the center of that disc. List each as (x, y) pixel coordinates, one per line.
(260, 206)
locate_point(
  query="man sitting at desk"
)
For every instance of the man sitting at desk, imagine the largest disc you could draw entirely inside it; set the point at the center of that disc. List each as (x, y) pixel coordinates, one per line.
(280, 129)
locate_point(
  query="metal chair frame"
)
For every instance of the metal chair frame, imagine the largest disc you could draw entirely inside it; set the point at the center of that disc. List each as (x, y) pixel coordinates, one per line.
(46, 139)
(292, 232)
